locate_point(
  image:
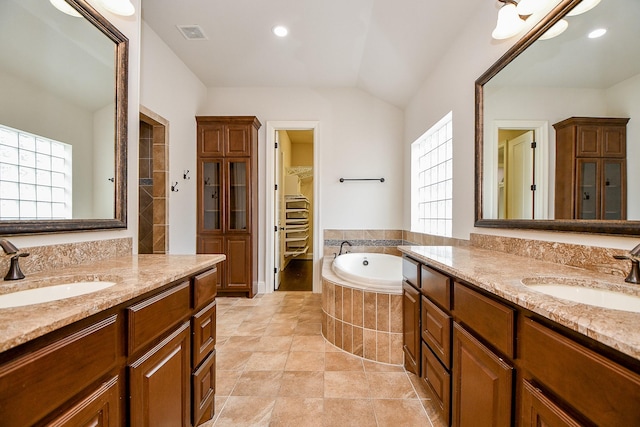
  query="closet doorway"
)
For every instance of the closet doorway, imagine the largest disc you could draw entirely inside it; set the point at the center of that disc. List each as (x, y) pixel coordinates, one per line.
(294, 195)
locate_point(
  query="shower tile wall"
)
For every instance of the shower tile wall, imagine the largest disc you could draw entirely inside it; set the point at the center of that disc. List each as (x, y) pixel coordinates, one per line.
(145, 205)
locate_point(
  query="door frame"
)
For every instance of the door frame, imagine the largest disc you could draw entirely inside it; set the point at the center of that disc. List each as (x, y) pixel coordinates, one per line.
(544, 209)
(271, 220)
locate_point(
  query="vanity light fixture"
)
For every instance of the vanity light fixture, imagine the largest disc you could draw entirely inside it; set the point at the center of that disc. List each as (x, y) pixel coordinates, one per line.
(529, 7)
(513, 15)
(557, 29)
(64, 7)
(280, 30)
(119, 7)
(583, 6)
(509, 21)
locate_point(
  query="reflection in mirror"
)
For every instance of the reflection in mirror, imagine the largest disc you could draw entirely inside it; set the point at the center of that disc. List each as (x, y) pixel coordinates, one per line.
(558, 126)
(62, 119)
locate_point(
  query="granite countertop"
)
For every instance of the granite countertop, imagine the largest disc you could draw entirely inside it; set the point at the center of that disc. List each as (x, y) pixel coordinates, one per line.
(134, 275)
(502, 274)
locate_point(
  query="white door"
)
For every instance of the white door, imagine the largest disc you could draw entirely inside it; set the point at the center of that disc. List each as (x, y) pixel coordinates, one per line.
(520, 177)
(278, 190)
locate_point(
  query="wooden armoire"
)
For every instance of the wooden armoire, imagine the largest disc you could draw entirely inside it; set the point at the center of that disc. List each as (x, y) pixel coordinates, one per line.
(591, 163)
(228, 199)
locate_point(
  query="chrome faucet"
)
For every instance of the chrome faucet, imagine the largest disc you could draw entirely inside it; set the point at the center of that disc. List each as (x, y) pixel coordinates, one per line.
(341, 247)
(634, 257)
(14, 272)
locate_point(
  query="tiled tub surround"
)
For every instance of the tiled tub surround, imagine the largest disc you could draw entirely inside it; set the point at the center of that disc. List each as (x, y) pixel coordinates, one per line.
(134, 275)
(501, 274)
(364, 323)
(382, 241)
(55, 257)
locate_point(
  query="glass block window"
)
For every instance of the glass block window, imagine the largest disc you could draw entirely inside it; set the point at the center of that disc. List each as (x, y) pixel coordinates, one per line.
(35, 176)
(432, 180)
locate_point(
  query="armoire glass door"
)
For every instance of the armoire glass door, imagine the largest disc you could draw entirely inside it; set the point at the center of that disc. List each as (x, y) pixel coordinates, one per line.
(613, 190)
(212, 195)
(238, 179)
(587, 206)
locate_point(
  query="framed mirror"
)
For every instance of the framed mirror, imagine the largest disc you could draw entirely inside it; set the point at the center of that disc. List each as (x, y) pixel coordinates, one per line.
(540, 109)
(63, 119)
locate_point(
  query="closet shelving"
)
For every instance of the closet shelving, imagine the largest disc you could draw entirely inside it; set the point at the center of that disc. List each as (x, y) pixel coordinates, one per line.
(296, 227)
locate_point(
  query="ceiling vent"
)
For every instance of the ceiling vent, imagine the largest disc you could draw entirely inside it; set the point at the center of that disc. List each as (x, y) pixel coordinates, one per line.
(192, 32)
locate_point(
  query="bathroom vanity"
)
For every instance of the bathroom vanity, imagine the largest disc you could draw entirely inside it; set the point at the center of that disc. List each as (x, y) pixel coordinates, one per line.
(141, 352)
(491, 350)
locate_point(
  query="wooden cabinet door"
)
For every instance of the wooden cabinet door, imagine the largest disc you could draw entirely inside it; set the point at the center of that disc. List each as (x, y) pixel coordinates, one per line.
(614, 141)
(211, 139)
(101, 407)
(614, 192)
(588, 190)
(237, 184)
(211, 193)
(482, 383)
(238, 262)
(588, 141)
(238, 140)
(411, 328)
(160, 393)
(537, 410)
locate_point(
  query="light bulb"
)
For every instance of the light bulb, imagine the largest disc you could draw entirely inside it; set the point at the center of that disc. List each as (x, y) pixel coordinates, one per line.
(529, 7)
(280, 31)
(119, 7)
(583, 6)
(557, 29)
(65, 7)
(509, 22)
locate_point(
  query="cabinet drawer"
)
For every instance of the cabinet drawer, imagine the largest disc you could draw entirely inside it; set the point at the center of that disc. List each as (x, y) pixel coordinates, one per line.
(437, 286)
(603, 391)
(411, 271)
(100, 408)
(203, 385)
(37, 383)
(204, 333)
(204, 287)
(492, 320)
(438, 380)
(154, 316)
(436, 331)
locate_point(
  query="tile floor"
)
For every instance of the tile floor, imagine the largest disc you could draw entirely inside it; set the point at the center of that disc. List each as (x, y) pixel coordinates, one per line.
(274, 368)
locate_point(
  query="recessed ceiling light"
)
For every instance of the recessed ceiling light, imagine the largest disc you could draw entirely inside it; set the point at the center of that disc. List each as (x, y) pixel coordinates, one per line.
(280, 31)
(597, 33)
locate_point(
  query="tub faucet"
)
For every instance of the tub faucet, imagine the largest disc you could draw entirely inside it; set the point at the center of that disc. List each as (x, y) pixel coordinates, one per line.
(634, 257)
(14, 272)
(341, 247)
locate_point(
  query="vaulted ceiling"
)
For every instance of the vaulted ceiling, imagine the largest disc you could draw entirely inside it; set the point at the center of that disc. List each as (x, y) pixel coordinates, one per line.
(384, 47)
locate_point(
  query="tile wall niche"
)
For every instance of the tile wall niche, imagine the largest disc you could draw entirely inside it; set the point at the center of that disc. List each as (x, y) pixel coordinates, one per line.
(55, 257)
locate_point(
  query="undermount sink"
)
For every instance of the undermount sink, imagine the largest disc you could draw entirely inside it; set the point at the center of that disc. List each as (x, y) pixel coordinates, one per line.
(52, 293)
(584, 292)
